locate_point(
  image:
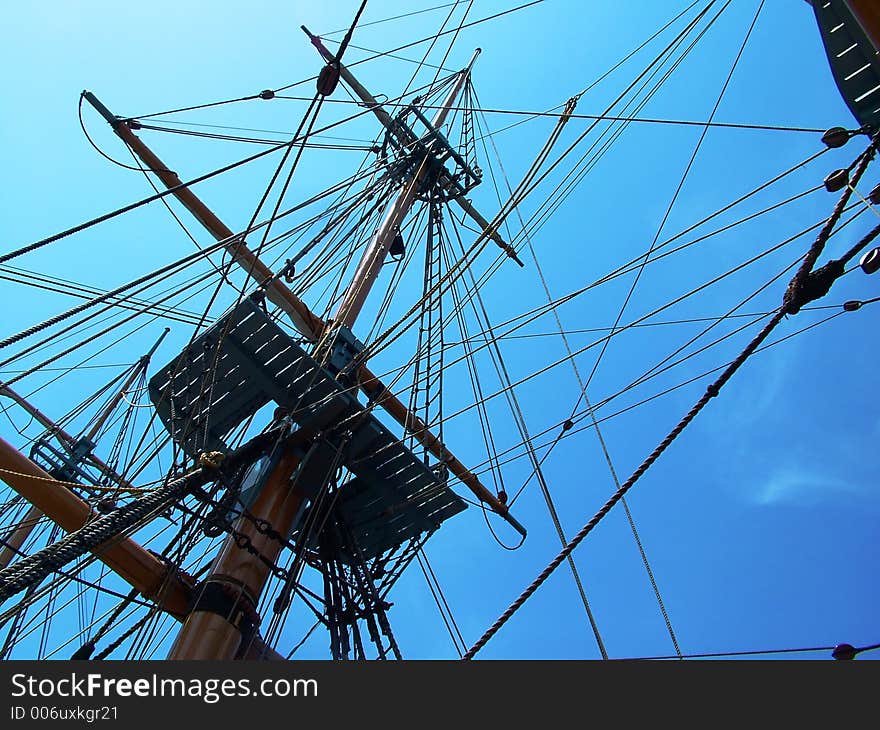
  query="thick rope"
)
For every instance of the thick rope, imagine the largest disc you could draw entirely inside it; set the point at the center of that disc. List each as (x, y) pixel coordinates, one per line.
(36, 567)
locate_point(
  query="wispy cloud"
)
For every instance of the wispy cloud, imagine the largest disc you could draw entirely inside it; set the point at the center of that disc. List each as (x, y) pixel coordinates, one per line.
(759, 389)
(798, 485)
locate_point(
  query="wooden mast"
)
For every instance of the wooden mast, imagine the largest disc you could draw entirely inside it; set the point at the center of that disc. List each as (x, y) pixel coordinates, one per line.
(212, 633)
(50, 425)
(140, 367)
(374, 256)
(207, 633)
(215, 631)
(385, 119)
(140, 568)
(309, 324)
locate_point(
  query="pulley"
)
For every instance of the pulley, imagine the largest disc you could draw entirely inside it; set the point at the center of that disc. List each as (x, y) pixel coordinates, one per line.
(267, 94)
(835, 137)
(398, 247)
(870, 262)
(836, 180)
(106, 505)
(328, 79)
(844, 652)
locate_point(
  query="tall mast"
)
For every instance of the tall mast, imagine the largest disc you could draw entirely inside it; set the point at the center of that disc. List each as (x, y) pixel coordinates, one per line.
(374, 256)
(221, 623)
(218, 619)
(308, 323)
(406, 139)
(139, 369)
(57, 430)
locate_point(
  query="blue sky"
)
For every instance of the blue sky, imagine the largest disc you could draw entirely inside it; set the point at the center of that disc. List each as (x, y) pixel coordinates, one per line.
(760, 522)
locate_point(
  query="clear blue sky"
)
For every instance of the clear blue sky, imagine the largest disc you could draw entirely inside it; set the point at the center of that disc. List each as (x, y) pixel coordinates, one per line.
(761, 520)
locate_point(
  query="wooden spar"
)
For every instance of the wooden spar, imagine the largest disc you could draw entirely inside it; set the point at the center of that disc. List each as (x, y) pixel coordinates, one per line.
(209, 633)
(137, 566)
(124, 556)
(303, 319)
(386, 120)
(206, 633)
(12, 544)
(50, 425)
(370, 265)
(17, 538)
(138, 368)
(309, 324)
(867, 13)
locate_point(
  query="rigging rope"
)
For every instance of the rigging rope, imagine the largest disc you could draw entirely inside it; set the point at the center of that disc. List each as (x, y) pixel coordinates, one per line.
(519, 419)
(32, 569)
(675, 195)
(599, 435)
(544, 114)
(636, 323)
(529, 182)
(170, 191)
(800, 291)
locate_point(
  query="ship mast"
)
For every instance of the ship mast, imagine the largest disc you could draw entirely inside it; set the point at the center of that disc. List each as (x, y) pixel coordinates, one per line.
(209, 633)
(219, 616)
(374, 256)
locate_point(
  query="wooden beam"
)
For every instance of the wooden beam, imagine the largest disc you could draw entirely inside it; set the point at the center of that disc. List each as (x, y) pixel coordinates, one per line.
(138, 567)
(867, 12)
(376, 252)
(388, 122)
(211, 633)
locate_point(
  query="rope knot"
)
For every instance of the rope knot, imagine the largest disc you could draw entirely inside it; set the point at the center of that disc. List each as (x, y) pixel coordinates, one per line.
(712, 390)
(211, 459)
(811, 286)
